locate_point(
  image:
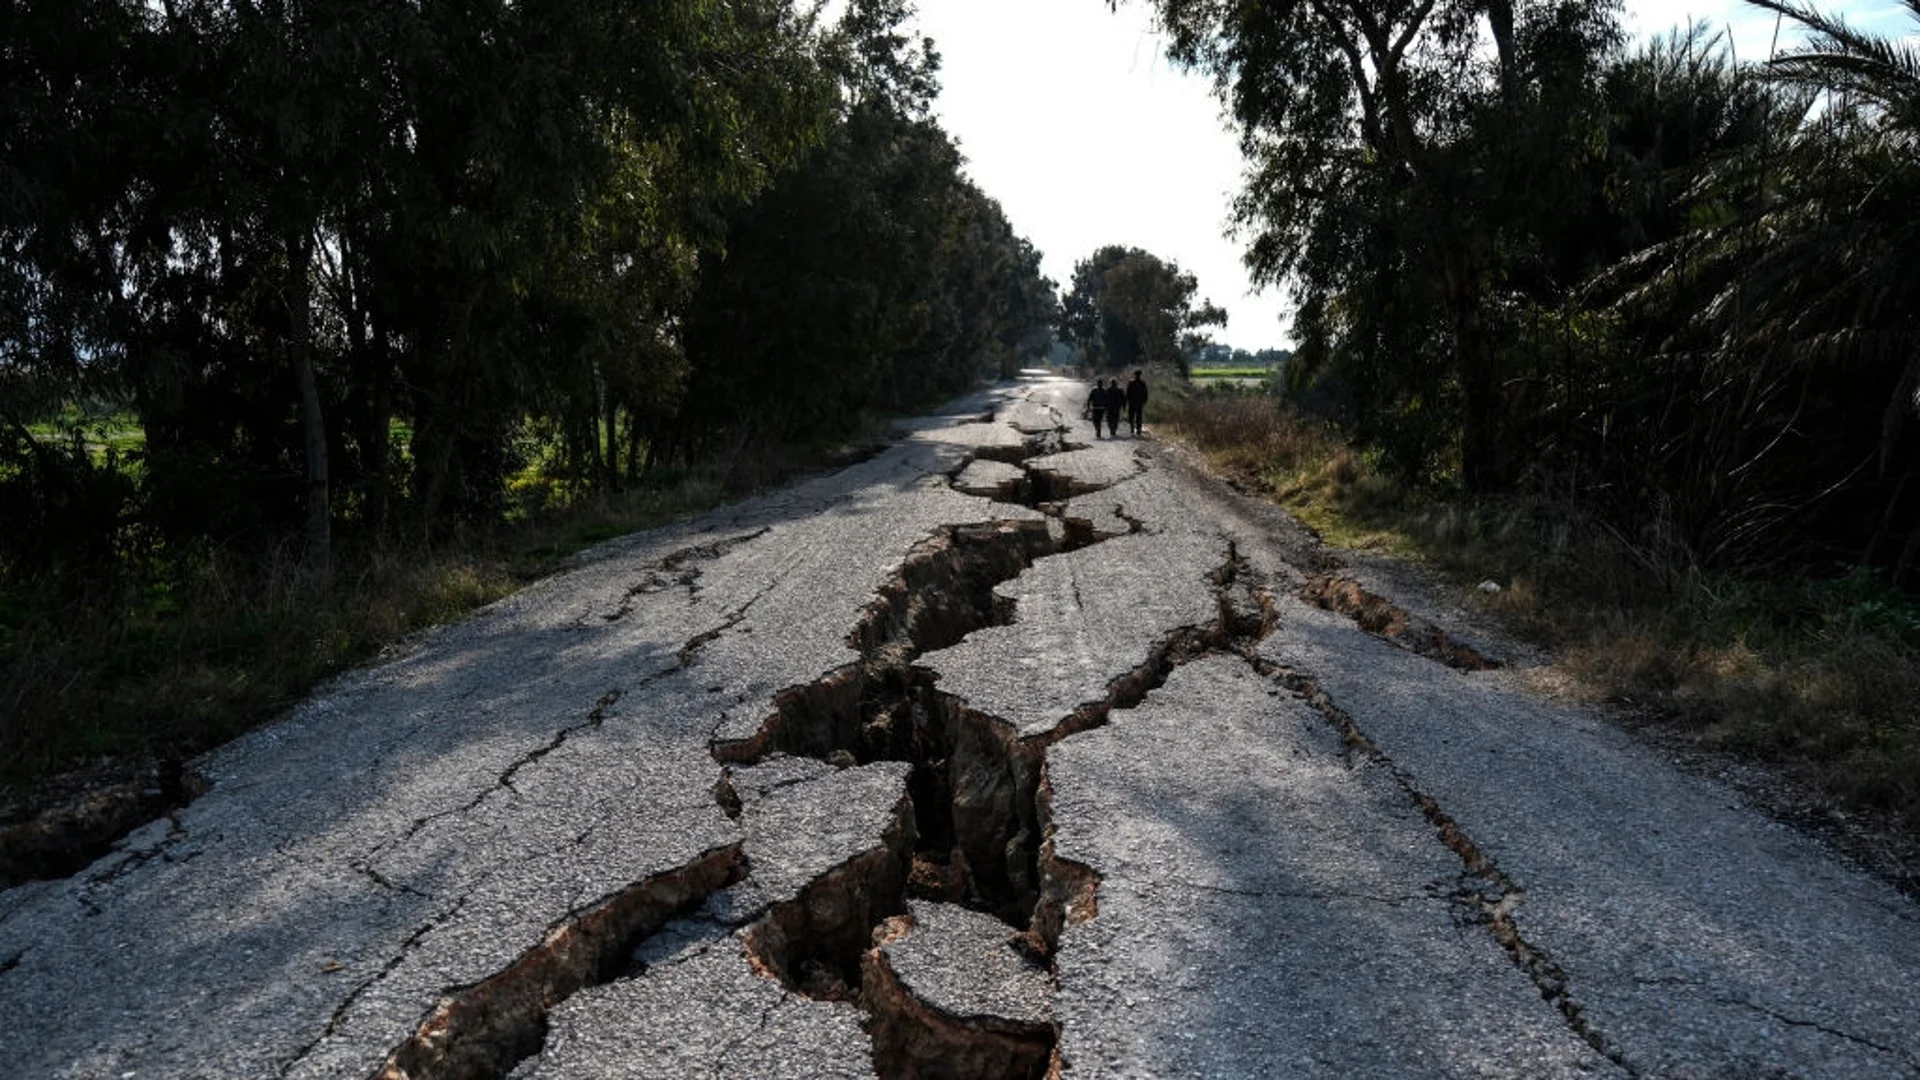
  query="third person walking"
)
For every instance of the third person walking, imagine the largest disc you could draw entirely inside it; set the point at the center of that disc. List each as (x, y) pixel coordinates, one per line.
(1136, 402)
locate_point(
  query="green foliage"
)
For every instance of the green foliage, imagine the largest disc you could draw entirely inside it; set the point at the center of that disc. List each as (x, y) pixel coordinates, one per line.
(1398, 159)
(1677, 288)
(376, 275)
(1229, 372)
(315, 218)
(282, 233)
(873, 276)
(1757, 399)
(1129, 308)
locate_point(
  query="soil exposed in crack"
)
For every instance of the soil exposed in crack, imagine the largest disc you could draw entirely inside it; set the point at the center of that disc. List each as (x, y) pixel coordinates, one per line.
(1034, 488)
(65, 839)
(972, 827)
(975, 782)
(1384, 619)
(483, 1030)
(812, 944)
(912, 1038)
(978, 797)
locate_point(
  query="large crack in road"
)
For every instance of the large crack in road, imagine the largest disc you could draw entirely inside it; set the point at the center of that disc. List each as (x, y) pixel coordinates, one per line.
(969, 832)
(1002, 754)
(968, 842)
(977, 791)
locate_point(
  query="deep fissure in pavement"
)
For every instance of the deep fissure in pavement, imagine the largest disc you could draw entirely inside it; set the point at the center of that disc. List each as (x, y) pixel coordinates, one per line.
(978, 796)
(1033, 487)
(972, 829)
(812, 944)
(912, 1038)
(1389, 621)
(483, 1030)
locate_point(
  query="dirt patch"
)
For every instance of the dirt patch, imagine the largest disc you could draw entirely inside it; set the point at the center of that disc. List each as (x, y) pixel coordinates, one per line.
(101, 807)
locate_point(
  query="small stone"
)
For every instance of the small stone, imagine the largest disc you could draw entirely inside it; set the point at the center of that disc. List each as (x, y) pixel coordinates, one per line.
(1489, 587)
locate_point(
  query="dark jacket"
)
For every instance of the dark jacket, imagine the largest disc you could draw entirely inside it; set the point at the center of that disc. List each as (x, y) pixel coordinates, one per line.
(1137, 392)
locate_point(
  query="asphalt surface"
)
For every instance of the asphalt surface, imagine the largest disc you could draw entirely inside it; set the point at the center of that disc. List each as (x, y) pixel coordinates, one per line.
(655, 817)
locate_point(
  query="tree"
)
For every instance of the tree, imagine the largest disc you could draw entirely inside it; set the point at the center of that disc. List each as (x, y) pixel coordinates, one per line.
(273, 227)
(1366, 191)
(1768, 394)
(872, 276)
(1129, 307)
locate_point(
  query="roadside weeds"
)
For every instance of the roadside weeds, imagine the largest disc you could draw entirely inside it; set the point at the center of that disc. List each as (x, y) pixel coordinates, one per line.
(104, 689)
(1805, 694)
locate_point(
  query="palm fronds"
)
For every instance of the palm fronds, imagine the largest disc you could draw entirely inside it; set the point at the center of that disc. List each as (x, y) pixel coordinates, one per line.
(1842, 59)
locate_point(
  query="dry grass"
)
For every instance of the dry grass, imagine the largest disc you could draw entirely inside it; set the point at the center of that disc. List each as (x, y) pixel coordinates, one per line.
(1819, 679)
(184, 661)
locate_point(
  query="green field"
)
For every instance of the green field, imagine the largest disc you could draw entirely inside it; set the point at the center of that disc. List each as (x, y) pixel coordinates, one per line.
(101, 431)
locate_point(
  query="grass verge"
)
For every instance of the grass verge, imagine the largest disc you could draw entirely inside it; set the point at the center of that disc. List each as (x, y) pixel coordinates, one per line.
(92, 688)
(1818, 679)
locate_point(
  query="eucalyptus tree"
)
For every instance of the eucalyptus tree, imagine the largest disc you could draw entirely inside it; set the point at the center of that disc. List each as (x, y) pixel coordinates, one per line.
(1082, 324)
(1387, 145)
(276, 226)
(59, 300)
(873, 276)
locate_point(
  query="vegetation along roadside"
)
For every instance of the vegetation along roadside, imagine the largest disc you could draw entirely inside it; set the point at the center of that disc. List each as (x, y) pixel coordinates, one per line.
(1816, 680)
(1628, 327)
(324, 324)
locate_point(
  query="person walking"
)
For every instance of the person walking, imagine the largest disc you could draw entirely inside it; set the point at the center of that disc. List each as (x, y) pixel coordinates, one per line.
(1116, 401)
(1136, 402)
(1096, 406)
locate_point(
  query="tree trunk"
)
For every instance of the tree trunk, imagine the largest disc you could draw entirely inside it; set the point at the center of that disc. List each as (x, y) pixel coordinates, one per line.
(380, 433)
(633, 447)
(612, 415)
(1500, 21)
(433, 441)
(439, 426)
(313, 425)
(591, 465)
(1481, 463)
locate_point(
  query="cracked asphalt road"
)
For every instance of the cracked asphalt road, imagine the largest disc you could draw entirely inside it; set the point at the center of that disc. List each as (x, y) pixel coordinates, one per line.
(1006, 750)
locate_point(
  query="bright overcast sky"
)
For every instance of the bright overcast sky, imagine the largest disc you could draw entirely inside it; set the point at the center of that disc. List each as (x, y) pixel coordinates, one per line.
(1072, 117)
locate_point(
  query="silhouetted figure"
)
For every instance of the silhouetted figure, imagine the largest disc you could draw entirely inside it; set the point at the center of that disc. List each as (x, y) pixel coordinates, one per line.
(1116, 401)
(1096, 407)
(1136, 402)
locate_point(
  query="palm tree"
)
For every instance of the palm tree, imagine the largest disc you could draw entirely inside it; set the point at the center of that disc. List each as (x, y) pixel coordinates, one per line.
(1877, 80)
(1842, 60)
(1773, 392)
